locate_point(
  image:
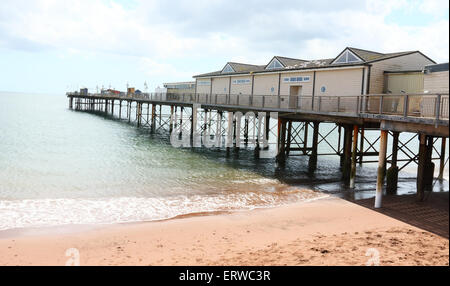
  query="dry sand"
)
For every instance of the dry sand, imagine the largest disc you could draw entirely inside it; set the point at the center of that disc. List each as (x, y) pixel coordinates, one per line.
(329, 231)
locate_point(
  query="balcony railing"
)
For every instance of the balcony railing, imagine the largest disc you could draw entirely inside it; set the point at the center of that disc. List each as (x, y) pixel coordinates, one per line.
(435, 106)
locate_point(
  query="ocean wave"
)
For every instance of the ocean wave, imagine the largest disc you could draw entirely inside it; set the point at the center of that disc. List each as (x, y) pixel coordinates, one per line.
(55, 212)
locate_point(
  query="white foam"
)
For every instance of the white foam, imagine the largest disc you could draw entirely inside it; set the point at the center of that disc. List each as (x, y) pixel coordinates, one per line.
(54, 212)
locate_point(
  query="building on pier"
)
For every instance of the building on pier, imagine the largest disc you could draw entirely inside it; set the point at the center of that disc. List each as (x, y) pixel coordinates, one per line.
(352, 72)
(180, 87)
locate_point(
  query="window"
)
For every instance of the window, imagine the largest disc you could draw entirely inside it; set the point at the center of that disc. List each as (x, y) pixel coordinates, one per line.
(241, 81)
(347, 57)
(297, 79)
(203, 82)
(227, 69)
(274, 64)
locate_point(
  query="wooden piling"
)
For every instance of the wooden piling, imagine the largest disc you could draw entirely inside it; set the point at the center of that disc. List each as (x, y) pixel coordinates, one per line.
(361, 147)
(421, 167)
(267, 129)
(281, 156)
(171, 119)
(392, 172)
(381, 164)
(354, 151)
(442, 159)
(289, 135)
(346, 163)
(305, 139)
(312, 164)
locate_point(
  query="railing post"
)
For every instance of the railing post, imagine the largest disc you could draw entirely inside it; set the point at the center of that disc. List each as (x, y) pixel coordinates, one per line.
(438, 107)
(279, 101)
(357, 105)
(215, 98)
(320, 103)
(405, 105)
(338, 103)
(263, 101)
(237, 100)
(380, 111)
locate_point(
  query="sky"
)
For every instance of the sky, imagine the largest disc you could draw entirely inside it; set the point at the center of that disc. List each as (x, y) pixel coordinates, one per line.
(53, 46)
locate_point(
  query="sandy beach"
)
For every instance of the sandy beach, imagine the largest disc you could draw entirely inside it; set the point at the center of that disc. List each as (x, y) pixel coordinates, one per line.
(328, 231)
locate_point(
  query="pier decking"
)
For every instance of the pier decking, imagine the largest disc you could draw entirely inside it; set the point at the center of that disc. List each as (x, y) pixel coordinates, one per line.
(425, 115)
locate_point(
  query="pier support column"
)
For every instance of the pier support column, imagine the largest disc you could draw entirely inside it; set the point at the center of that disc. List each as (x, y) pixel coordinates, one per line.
(267, 129)
(289, 135)
(354, 151)
(106, 106)
(246, 131)
(112, 107)
(421, 167)
(258, 135)
(346, 161)
(153, 127)
(381, 166)
(312, 164)
(229, 141)
(171, 119)
(425, 170)
(71, 102)
(139, 113)
(281, 156)
(392, 172)
(305, 139)
(361, 147)
(442, 159)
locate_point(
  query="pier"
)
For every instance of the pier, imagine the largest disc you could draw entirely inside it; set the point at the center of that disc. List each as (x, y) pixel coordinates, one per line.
(296, 117)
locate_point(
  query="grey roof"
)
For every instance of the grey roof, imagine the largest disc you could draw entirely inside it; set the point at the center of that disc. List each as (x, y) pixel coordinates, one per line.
(436, 68)
(366, 56)
(289, 61)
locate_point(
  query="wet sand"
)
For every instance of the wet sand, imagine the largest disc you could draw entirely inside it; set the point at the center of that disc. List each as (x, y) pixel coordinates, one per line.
(328, 231)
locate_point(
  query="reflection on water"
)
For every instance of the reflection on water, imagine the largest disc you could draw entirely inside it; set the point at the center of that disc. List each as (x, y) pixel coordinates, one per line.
(59, 166)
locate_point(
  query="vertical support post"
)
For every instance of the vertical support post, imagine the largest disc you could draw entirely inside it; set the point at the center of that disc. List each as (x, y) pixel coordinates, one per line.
(361, 147)
(267, 129)
(229, 142)
(288, 140)
(442, 159)
(346, 162)
(120, 109)
(246, 132)
(281, 156)
(421, 167)
(392, 172)
(171, 119)
(312, 164)
(138, 113)
(258, 135)
(71, 102)
(381, 164)
(153, 127)
(354, 150)
(112, 107)
(305, 140)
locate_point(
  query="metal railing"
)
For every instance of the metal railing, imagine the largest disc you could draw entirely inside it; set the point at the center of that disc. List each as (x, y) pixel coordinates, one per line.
(435, 106)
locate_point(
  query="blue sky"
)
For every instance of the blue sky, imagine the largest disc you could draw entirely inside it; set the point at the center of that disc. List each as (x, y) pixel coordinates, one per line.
(55, 45)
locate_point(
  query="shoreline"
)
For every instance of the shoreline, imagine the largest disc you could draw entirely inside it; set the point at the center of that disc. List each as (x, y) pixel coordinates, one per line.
(327, 231)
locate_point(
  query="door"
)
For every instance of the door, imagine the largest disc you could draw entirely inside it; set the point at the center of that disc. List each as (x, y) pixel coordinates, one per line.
(294, 95)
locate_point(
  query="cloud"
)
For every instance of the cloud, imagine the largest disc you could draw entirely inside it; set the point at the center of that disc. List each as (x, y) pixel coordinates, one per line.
(162, 35)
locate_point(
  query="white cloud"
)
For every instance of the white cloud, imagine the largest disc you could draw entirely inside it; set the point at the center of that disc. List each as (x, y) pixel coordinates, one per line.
(253, 31)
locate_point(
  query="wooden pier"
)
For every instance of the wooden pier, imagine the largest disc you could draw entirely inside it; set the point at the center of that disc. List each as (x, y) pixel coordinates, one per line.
(353, 116)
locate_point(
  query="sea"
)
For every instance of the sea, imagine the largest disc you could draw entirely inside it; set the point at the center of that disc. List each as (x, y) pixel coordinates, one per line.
(61, 167)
